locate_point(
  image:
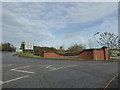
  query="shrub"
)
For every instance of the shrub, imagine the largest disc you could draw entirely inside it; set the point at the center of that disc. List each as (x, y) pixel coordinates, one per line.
(118, 54)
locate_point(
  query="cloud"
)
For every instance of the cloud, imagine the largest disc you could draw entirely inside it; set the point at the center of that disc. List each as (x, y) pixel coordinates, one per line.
(85, 34)
(17, 30)
(62, 13)
(87, 12)
(37, 22)
(109, 24)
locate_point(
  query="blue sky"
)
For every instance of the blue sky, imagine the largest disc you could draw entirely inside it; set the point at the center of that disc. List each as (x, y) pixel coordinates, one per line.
(54, 24)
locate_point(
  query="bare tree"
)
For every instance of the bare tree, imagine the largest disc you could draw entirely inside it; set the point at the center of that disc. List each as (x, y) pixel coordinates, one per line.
(110, 40)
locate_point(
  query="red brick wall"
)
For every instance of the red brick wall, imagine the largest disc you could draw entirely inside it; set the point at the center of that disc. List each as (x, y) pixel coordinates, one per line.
(101, 54)
(86, 55)
(98, 54)
(106, 57)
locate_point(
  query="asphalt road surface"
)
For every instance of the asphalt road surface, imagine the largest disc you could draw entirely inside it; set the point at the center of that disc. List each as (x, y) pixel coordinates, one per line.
(19, 72)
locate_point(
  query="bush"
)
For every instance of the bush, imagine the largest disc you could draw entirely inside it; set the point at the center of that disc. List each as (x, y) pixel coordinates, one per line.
(76, 48)
(118, 54)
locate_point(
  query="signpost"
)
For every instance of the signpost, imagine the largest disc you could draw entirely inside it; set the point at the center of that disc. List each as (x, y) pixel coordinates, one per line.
(28, 46)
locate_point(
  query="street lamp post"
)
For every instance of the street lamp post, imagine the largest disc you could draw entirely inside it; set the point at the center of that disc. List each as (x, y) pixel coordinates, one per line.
(33, 48)
(95, 45)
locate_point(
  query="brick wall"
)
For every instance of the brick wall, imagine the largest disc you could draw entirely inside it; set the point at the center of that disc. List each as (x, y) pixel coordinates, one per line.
(99, 54)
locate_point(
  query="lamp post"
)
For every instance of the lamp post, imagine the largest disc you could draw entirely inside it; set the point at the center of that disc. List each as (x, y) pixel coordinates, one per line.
(95, 45)
(33, 48)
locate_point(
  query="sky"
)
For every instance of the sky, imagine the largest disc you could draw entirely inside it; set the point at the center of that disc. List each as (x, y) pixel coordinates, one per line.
(54, 24)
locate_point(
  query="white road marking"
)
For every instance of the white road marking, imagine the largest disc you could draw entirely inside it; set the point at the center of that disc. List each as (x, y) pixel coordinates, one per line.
(20, 67)
(53, 68)
(10, 64)
(0, 82)
(49, 66)
(14, 79)
(61, 67)
(16, 69)
(6, 65)
(111, 81)
(23, 71)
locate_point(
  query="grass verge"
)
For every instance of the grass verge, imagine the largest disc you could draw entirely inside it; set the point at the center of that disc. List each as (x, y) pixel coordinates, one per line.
(6, 52)
(27, 55)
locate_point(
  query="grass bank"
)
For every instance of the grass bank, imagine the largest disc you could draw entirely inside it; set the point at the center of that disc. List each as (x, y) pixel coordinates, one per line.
(27, 55)
(6, 52)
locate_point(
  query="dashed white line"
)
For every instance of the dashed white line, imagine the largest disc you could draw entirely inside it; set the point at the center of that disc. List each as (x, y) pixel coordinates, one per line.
(14, 79)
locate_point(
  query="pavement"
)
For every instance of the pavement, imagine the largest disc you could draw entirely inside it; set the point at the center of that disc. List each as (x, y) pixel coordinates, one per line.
(19, 72)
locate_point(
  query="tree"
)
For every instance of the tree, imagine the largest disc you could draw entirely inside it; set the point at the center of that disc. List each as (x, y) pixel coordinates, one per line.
(8, 47)
(40, 50)
(22, 47)
(61, 49)
(110, 40)
(76, 48)
(49, 49)
(119, 44)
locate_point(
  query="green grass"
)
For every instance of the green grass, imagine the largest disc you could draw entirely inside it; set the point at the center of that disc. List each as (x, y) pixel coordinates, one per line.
(67, 59)
(6, 51)
(114, 60)
(27, 55)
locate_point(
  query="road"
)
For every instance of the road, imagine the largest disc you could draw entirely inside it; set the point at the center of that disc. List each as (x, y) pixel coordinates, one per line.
(19, 72)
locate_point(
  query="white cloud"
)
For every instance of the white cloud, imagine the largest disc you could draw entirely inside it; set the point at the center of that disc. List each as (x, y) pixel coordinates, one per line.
(109, 24)
(60, 0)
(36, 22)
(62, 13)
(87, 12)
(16, 30)
(0, 22)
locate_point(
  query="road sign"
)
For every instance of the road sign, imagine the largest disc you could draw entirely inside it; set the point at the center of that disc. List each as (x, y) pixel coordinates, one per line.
(29, 45)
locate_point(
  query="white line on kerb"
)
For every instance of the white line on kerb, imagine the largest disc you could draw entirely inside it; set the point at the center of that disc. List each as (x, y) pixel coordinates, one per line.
(14, 79)
(111, 81)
